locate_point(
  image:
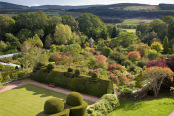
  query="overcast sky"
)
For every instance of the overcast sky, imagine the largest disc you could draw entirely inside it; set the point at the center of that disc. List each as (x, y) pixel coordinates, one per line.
(83, 2)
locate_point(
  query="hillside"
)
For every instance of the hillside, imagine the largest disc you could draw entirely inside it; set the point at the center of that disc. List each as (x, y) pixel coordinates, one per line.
(62, 7)
(5, 5)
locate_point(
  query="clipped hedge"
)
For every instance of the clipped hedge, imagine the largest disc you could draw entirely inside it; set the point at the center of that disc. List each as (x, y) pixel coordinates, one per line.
(65, 112)
(74, 99)
(53, 105)
(79, 110)
(106, 104)
(81, 84)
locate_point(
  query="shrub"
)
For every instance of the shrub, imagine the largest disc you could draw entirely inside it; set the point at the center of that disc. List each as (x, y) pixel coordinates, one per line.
(139, 79)
(106, 104)
(68, 74)
(94, 75)
(70, 70)
(127, 63)
(132, 47)
(157, 46)
(77, 73)
(134, 55)
(74, 99)
(65, 112)
(106, 51)
(53, 105)
(118, 57)
(132, 68)
(79, 110)
(153, 55)
(50, 67)
(160, 62)
(142, 62)
(52, 48)
(143, 49)
(100, 59)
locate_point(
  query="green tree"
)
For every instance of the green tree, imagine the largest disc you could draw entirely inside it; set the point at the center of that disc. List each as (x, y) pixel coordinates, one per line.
(114, 32)
(24, 34)
(91, 25)
(127, 39)
(48, 41)
(63, 34)
(2, 45)
(166, 45)
(157, 46)
(35, 41)
(14, 42)
(6, 25)
(70, 21)
(110, 29)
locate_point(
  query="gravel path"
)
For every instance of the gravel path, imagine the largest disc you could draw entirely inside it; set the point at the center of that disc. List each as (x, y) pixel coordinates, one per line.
(19, 83)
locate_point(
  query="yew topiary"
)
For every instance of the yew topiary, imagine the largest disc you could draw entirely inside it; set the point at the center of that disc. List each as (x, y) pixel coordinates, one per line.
(53, 105)
(74, 99)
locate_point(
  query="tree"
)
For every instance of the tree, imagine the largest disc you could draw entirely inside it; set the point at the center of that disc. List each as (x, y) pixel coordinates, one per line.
(70, 21)
(159, 27)
(48, 41)
(110, 29)
(156, 76)
(2, 45)
(127, 39)
(91, 25)
(14, 42)
(6, 25)
(63, 34)
(25, 47)
(24, 34)
(166, 45)
(157, 46)
(134, 55)
(114, 32)
(35, 41)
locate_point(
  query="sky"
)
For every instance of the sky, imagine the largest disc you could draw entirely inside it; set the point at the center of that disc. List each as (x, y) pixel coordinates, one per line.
(83, 2)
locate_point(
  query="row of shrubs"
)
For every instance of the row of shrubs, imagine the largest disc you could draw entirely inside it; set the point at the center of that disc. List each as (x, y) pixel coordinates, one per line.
(106, 104)
(74, 106)
(14, 74)
(81, 84)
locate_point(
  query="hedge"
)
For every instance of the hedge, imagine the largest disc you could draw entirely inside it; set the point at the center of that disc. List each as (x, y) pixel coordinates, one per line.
(79, 110)
(81, 84)
(65, 112)
(104, 106)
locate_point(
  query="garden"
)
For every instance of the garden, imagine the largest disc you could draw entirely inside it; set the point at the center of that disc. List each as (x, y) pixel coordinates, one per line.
(85, 55)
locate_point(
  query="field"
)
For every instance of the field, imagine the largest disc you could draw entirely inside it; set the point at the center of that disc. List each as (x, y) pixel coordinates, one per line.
(26, 100)
(130, 30)
(135, 21)
(161, 106)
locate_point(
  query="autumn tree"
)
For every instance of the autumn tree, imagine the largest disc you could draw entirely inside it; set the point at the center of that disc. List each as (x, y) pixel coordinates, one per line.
(157, 46)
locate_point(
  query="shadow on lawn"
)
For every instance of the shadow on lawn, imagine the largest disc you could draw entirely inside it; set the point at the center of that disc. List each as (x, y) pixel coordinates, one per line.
(42, 114)
(41, 91)
(127, 105)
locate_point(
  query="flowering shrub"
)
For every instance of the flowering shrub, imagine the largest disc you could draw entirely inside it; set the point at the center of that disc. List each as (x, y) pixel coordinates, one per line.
(60, 58)
(100, 59)
(134, 55)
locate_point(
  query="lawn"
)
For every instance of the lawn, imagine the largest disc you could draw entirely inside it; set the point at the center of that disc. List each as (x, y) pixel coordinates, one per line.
(130, 30)
(161, 106)
(135, 21)
(27, 100)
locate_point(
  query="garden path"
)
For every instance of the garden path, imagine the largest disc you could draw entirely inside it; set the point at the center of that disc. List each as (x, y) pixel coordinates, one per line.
(19, 83)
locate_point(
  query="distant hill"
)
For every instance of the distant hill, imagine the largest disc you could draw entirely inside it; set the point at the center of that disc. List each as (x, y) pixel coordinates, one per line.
(5, 5)
(62, 7)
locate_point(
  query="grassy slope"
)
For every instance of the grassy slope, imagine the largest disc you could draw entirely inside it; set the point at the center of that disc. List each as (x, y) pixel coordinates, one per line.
(26, 100)
(161, 106)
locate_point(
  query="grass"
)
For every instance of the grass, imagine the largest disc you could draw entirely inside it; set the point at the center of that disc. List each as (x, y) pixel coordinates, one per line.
(27, 100)
(160, 106)
(130, 30)
(135, 21)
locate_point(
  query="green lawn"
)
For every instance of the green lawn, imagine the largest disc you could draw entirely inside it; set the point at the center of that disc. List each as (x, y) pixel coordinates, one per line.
(26, 100)
(161, 106)
(135, 21)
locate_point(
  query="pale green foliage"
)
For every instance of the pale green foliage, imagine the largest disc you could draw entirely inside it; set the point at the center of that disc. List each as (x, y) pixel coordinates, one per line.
(127, 39)
(63, 34)
(153, 55)
(35, 41)
(53, 48)
(157, 46)
(2, 45)
(13, 40)
(106, 104)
